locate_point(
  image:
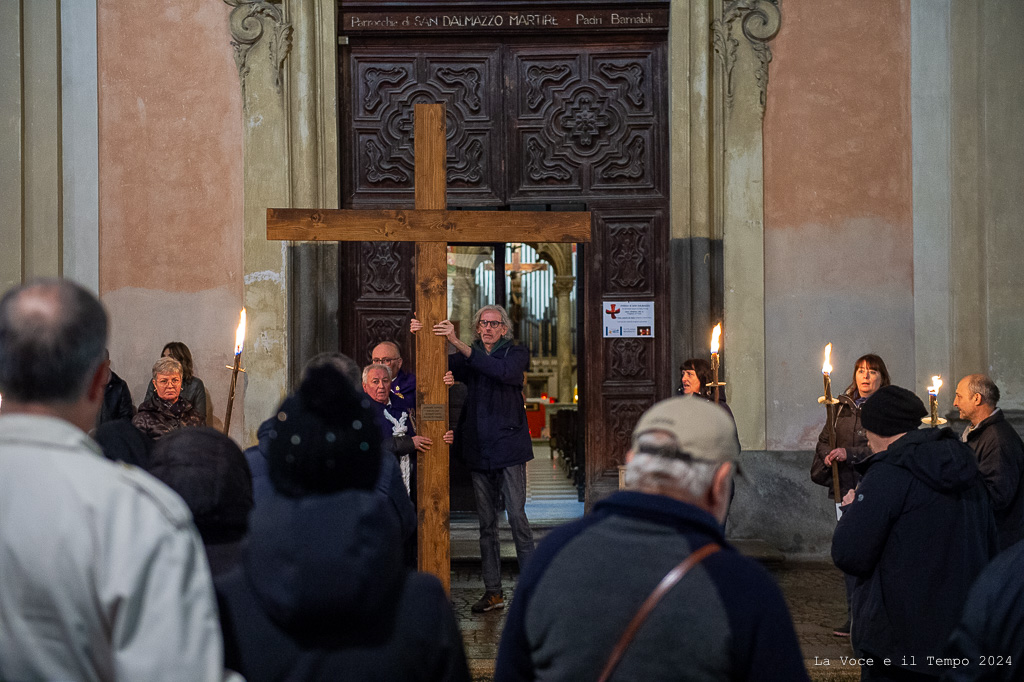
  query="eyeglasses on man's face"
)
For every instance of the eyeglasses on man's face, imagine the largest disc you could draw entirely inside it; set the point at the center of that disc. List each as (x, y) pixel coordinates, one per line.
(382, 361)
(490, 324)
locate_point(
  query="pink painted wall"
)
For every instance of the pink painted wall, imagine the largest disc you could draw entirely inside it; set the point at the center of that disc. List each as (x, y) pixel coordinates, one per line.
(170, 187)
(838, 204)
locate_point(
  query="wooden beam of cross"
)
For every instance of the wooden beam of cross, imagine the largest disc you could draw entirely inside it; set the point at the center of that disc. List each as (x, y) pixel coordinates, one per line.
(432, 227)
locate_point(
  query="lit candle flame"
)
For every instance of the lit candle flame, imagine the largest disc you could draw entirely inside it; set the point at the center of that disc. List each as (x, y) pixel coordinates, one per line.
(240, 333)
(715, 333)
(827, 367)
(936, 385)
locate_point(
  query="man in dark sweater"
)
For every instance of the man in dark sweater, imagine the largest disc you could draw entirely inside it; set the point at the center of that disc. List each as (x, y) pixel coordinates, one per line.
(999, 450)
(918, 531)
(725, 619)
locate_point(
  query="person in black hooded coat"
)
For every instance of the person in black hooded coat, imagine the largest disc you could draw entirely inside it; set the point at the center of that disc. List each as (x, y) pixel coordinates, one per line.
(321, 593)
(206, 468)
(918, 532)
(990, 635)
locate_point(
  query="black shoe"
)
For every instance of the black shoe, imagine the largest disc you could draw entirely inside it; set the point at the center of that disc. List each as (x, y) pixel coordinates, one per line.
(843, 630)
(489, 602)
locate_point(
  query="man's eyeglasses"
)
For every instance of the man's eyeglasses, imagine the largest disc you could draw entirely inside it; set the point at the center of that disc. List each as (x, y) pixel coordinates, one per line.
(490, 324)
(382, 361)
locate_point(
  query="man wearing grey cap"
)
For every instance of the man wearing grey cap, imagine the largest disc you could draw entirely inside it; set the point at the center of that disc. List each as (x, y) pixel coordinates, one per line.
(716, 615)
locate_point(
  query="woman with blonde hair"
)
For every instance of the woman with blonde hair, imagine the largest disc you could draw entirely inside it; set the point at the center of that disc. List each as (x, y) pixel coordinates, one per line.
(167, 410)
(192, 388)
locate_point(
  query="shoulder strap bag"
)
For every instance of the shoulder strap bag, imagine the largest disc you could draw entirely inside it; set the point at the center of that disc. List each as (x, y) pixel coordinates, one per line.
(666, 584)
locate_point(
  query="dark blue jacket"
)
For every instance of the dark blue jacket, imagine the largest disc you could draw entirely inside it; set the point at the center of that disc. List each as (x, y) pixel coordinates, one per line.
(389, 483)
(725, 620)
(918, 533)
(398, 445)
(321, 594)
(492, 432)
(403, 391)
(990, 635)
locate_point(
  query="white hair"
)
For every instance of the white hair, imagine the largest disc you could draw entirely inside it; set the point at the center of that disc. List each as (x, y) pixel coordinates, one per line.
(370, 368)
(650, 470)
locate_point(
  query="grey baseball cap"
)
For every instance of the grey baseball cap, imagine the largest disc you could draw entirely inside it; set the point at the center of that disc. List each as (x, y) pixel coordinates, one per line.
(702, 430)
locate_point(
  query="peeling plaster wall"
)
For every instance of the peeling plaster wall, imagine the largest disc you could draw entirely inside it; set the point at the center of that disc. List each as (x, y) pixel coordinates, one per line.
(170, 189)
(839, 259)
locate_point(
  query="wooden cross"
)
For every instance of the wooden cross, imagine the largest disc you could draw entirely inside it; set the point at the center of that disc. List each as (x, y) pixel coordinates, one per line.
(432, 227)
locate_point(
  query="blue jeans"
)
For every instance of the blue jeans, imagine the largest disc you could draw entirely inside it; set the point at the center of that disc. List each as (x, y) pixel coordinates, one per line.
(494, 490)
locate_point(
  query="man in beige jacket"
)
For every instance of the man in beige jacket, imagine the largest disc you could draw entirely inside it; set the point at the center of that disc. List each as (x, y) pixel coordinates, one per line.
(102, 573)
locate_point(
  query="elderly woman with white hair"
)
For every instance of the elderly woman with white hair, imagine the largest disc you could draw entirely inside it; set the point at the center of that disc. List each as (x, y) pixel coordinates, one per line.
(166, 410)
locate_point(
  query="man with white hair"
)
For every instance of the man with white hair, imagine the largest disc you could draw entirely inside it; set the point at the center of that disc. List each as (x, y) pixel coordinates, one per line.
(647, 585)
(103, 574)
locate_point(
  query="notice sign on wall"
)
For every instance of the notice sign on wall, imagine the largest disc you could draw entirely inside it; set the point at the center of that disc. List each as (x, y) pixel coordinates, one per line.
(628, 319)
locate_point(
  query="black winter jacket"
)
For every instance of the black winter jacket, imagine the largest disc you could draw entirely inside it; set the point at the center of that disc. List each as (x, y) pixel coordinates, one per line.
(492, 432)
(850, 435)
(990, 635)
(917, 535)
(192, 390)
(322, 595)
(1000, 455)
(117, 401)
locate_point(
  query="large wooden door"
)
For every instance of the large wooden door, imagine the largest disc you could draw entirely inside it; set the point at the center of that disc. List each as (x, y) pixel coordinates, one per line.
(531, 120)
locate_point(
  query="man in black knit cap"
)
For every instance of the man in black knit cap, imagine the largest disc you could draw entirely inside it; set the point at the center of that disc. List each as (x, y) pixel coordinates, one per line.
(918, 531)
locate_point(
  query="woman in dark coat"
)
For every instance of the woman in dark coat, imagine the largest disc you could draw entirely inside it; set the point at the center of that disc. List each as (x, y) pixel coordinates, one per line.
(192, 387)
(696, 377)
(166, 410)
(851, 443)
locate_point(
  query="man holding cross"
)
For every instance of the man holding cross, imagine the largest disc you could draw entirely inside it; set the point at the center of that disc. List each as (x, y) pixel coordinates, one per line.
(432, 227)
(492, 436)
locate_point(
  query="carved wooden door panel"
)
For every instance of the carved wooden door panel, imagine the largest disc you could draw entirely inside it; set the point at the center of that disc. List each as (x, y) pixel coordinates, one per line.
(589, 125)
(382, 84)
(630, 263)
(586, 122)
(529, 122)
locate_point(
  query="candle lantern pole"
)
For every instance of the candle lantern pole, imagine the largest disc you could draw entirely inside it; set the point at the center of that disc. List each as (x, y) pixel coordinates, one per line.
(933, 419)
(716, 334)
(235, 369)
(830, 424)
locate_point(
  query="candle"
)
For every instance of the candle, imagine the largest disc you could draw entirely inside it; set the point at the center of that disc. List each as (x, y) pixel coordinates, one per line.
(830, 407)
(716, 333)
(826, 369)
(239, 341)
(933, 399)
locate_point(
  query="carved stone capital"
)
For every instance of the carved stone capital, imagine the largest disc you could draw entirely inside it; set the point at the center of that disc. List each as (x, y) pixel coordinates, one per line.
(250, 22)
(759, 22)
(563, 284)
